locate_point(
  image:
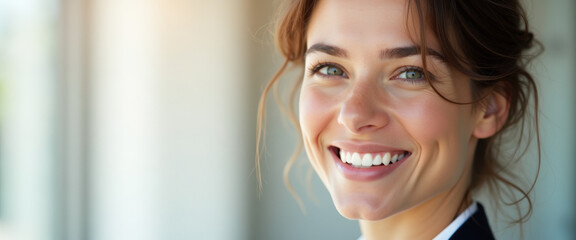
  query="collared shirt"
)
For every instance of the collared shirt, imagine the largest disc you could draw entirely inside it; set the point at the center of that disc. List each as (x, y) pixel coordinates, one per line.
(454, 225)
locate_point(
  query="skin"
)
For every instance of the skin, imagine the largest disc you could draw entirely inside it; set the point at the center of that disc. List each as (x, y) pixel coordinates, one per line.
(357, 96)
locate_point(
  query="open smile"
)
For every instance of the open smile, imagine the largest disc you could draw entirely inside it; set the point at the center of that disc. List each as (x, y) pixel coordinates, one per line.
(367, 166)
(366, 160)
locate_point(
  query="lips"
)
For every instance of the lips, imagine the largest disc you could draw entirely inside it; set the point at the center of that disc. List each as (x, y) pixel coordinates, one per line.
(365, 159)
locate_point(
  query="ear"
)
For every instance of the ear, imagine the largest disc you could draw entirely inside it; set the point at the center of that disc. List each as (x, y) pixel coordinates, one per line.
(493, 117)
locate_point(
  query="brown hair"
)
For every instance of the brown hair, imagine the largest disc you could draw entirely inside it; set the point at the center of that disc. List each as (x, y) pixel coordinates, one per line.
(485, 40)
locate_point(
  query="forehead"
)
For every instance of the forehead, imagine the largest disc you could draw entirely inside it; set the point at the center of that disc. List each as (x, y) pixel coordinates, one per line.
(365, 24)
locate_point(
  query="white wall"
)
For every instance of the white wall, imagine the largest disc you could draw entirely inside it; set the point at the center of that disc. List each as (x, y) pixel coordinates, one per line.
(27, 120)
(207, 133)
(555, 214)
(124, 121)
(170, 156)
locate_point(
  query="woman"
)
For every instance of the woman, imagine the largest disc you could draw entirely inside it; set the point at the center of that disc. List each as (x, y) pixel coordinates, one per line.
(403, 103)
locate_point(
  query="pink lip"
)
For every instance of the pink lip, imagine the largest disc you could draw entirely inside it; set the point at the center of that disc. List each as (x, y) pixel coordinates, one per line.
(365, 174)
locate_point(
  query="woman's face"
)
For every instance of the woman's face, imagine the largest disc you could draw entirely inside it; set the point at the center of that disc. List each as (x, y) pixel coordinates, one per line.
(379, 137)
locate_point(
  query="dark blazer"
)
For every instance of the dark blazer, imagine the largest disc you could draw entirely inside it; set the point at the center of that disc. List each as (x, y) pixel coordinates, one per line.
(475, 228)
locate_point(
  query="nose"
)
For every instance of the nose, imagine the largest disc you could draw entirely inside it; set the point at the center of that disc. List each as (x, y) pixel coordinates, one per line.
(363, 111)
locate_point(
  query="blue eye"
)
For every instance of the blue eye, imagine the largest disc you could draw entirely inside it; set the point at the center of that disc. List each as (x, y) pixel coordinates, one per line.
(329, 70)
(412, 74)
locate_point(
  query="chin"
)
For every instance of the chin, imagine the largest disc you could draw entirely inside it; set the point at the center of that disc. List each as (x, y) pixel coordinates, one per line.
(361, 214)
(364, 210)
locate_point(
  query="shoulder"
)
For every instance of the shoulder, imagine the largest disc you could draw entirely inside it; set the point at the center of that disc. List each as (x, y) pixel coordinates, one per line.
(475, 228)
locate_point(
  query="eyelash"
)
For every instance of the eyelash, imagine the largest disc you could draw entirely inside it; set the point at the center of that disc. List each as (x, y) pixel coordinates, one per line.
(414, 68)
(314, 69)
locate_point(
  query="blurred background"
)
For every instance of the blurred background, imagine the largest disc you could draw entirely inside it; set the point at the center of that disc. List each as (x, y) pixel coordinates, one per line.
(125, 119)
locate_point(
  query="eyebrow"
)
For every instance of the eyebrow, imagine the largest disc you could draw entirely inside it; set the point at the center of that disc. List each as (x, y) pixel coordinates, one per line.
(400, 52)
(328, 49)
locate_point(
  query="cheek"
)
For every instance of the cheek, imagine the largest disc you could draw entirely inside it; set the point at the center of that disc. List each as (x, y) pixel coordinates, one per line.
(433, 119)
(315, 112)
(442, 132)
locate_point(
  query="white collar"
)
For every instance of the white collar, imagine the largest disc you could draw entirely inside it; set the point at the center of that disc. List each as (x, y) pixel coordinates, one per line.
(454, 225)
(457, 223)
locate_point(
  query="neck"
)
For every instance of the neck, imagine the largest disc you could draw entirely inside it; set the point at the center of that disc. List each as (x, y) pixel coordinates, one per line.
(423, 221)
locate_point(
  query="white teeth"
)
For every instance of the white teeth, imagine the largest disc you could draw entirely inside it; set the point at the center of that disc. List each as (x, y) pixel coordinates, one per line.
(370, 159)
(349, 158)
(394, 159)
(367, 160)
(386, 159)
(377, 160)
(356, 160)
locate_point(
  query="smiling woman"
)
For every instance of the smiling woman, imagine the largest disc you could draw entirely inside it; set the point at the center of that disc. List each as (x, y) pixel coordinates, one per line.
(403, 104)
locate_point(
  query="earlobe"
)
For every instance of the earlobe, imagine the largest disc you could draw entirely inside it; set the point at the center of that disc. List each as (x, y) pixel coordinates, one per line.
(494, 116)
